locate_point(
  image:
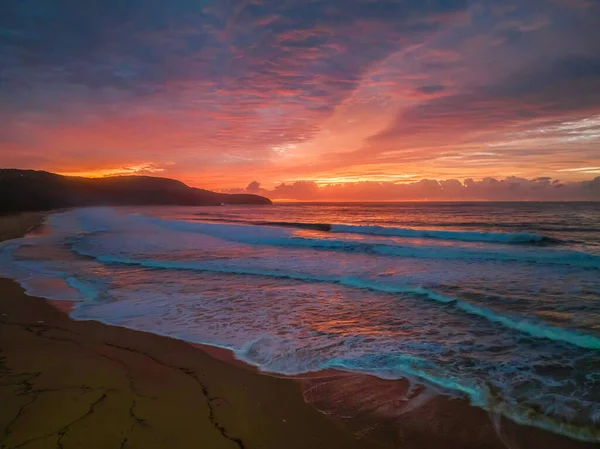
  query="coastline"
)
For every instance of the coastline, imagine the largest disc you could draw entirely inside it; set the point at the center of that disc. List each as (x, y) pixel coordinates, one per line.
(13, 226)
(87, 384)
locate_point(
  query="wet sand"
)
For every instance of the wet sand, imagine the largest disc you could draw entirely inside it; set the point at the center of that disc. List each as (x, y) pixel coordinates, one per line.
(66, 384)
(16, 225)
(83, 384)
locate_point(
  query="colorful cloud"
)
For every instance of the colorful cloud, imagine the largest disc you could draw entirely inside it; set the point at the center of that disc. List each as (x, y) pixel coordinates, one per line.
(325, 92)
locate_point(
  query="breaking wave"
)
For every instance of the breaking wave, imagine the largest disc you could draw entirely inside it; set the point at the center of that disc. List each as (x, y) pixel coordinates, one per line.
(531, 328)
(263, 235)
(388, 231)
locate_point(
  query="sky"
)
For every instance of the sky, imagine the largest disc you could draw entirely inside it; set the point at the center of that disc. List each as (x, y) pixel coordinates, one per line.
(309, 99)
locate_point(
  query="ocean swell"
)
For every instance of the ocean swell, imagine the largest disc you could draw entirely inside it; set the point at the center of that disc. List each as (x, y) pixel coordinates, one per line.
(534, 329)
(389, 231)
(144, 273)
(262, 235)
(463, 236)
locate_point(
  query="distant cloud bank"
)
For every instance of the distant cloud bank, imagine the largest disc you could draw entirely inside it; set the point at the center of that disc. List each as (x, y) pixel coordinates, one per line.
(487, 189)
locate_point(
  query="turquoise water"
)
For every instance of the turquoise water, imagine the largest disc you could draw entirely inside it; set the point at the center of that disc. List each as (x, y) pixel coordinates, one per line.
(497, 303)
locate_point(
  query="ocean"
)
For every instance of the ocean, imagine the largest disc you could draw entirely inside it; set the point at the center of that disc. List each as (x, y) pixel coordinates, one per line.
(498, 303)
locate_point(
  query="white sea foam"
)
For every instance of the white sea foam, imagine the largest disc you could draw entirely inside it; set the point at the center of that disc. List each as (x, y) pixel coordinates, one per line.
(464, 236)
(262, 235)
(529, 327)
(291, 316)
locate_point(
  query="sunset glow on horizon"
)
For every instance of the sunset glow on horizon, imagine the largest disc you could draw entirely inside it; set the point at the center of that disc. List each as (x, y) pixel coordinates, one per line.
(298, 99)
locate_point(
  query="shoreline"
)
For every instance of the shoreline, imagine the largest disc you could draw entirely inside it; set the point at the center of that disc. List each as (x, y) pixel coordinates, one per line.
(202, 396)
(63, 379)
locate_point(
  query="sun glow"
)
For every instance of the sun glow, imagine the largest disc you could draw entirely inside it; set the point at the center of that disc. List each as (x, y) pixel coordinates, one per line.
(141, 169)
(343, 179)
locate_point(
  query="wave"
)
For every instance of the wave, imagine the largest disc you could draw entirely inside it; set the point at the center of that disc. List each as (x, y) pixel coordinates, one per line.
(388, 231)
(282, 224)
(525, 225)
(398, 365)
(537, 330)
(492, 397)
(261, 235)
(571, 258)
(463, 236)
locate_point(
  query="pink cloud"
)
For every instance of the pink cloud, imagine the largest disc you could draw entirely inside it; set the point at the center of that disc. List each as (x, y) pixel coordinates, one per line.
(301, 90)
(508, 189)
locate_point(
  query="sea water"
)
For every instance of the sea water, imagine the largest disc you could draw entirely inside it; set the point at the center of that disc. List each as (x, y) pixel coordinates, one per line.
(495, 302)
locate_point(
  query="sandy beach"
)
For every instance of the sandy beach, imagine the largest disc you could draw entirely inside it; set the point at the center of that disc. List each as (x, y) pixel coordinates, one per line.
(83, 384)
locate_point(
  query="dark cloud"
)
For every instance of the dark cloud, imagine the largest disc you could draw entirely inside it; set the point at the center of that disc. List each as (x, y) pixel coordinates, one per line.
(570, 82)
(229, 74)
(431, 89)
(138, 45)
(554, 91)
(203, 85)
(253, 187)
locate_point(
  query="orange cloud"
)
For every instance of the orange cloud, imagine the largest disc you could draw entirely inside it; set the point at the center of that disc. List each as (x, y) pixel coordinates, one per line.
(323, 92)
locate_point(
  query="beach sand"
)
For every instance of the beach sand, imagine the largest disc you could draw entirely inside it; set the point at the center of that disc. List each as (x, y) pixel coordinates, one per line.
(14, 226)
(83, 384)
